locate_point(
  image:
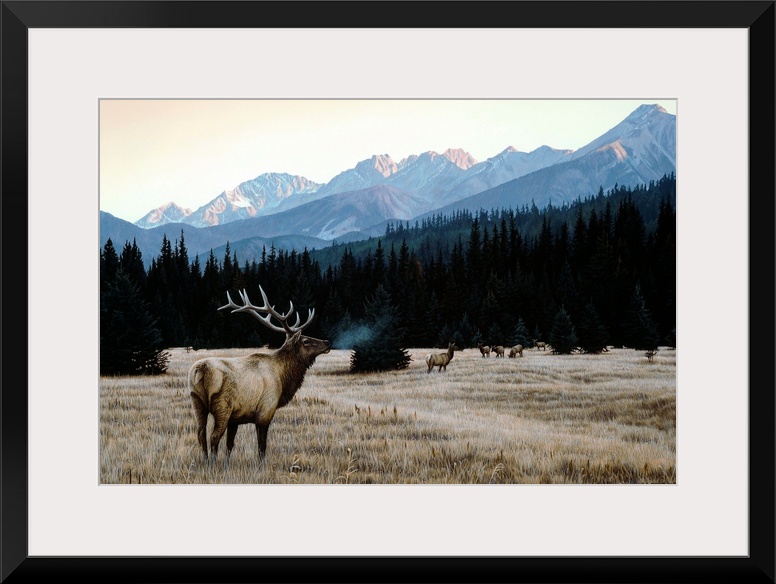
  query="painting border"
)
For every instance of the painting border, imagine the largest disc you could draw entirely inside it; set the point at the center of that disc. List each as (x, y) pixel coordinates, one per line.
(15, 564)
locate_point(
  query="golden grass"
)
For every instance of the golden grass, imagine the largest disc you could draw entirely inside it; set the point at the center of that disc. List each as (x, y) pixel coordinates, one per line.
(542, 418)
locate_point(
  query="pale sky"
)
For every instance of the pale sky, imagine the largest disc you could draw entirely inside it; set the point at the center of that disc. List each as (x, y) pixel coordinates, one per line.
(153, 152)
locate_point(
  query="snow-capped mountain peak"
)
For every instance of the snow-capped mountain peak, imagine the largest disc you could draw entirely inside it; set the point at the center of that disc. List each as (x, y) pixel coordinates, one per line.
(644, 111)
(647, 132)
(383, 164)
(460, 158)
(261, 194)
(168, 213)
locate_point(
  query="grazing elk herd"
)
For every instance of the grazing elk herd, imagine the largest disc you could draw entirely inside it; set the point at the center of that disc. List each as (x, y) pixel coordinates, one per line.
(516, 351)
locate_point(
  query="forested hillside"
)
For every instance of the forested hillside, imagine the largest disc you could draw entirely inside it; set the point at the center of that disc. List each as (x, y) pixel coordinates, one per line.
(604, 266)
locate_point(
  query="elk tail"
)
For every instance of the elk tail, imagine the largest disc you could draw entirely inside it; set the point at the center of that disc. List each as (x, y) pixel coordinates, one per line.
(197, 385)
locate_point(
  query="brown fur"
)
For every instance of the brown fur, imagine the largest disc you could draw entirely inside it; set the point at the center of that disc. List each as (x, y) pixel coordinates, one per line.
(441, 359)
(498, 350)
(248, 390)
(484, 349)
(516, 350)
(540, 344)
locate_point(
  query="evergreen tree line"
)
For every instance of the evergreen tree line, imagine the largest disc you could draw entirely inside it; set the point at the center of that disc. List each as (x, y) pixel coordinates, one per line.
(596, 273)
(439, 232)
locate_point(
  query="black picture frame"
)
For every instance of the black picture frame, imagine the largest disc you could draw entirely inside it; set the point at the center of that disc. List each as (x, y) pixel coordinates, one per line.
(757, 17)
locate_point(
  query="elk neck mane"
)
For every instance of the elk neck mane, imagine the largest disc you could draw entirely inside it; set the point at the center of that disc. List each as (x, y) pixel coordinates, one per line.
(292, 370)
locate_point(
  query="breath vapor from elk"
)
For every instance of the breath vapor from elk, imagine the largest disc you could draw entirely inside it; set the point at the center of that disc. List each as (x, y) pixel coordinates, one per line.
(351, 336)
(441, 359)
(250, 389)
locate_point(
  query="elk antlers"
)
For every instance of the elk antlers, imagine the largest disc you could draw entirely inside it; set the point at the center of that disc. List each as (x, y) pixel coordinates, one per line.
(270, 312)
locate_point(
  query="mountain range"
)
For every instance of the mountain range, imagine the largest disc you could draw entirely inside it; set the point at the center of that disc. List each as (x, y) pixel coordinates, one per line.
(294, 212)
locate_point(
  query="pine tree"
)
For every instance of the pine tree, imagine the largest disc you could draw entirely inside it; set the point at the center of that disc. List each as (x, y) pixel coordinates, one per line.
(331, 317)
(640, 330)
(494, 334)
(381, 350)
(227, 271)
(519, 334)
(379, 265)
(671, 338)
(131, 262)
(579, 249)
(566, 289)
(130, 342)
(109, 264)
(563, 337)
(487, 318)
(183, 255)
(474, 253)
(445, 336)
(465, 334)
(592, 333)
(663, 260)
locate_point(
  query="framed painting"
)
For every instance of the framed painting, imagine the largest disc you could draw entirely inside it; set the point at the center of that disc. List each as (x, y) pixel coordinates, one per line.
(508, 207)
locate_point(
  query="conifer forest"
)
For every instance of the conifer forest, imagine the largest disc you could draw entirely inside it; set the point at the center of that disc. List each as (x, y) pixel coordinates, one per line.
(583, 276)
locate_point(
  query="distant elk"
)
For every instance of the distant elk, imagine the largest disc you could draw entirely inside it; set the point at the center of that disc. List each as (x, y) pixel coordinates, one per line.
(484, 349)
(249, 390)
(539, 344)
(516, 350)
(441, 359)
(499, 351)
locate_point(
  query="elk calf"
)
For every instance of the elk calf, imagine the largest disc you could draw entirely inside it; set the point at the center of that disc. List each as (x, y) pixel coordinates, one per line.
(516, 350)
(249, 390)
(499, 351)
(441, 359)
(484, 349)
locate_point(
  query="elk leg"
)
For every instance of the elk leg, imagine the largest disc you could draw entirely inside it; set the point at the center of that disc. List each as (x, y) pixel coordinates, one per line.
(221, 411)
(200, 411)
(261, 434)
(215, 438)
(231, 432)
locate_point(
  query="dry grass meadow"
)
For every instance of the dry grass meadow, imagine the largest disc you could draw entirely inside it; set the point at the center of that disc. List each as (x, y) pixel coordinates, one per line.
(542, 418)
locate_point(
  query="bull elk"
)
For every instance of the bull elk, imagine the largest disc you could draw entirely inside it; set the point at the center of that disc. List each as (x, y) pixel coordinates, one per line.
(441, 359)
(250, 389)
(484, 349)
(516, 350)
(499, 351)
